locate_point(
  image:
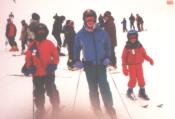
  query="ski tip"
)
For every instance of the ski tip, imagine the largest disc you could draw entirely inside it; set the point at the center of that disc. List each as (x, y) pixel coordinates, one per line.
(160, 105)
(145, 106)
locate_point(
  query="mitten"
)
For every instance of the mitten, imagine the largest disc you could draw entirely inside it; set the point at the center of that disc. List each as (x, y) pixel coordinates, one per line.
(28, 70)
(106, 61)
(151, 61)
(125, 70)
(51, 68)
(78, 64)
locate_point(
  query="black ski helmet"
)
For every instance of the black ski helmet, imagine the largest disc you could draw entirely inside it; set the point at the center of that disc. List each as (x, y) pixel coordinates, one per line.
(35, 16)
(107, 14)
(132, 33)
(88, 13)
(41, 31)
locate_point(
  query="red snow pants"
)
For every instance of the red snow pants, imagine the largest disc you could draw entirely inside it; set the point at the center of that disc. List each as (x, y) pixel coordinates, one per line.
(136, 75)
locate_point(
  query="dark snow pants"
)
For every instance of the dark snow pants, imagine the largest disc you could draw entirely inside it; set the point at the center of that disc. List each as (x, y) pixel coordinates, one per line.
(44, 84)
(113, 57)
(12, 41)
(97, 80)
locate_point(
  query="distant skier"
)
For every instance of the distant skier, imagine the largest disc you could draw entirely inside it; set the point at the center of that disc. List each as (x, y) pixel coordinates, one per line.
(96, 46)
(133, 57)
(140, 22)
(101, 21)
(41, 61)
(132, 21)
(11, 33)
(124, 23)
(57, 30)
(24, 37)
(33, 22)
(110, 28)
(69, 33)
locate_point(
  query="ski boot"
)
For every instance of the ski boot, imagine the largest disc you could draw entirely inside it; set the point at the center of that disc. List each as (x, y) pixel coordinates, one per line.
(143, 94)
(62, 54)
(98, 112)
(130, 94)
(112, 113)
(39, 114)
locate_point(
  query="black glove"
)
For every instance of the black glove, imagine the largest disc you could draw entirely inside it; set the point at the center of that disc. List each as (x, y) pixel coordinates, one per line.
(29, 70)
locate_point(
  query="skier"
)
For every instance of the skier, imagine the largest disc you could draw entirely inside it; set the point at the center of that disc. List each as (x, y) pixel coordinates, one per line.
(69, 33)
(110, 28)
(57, 30)
(33, 22)
(96, 46)
(124, 22)
(132, 60)
(140, 22)
(101, 21)
(132, 21)
(23, 37)
(11, 34)
(41, 62)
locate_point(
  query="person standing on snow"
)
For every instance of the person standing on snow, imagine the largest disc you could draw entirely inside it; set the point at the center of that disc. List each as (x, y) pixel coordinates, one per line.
(96, 46)
(33, 22)
(133, 57)
(110, 28)
(124, 22)
(11, 33)
(23, 38)
(132, 21)
(41, 61)
(140, 22)
(57, 30)
(69, 34)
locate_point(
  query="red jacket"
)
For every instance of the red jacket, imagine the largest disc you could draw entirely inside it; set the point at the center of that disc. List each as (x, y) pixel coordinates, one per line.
(134, 56)
(11, 30)
(47, 54)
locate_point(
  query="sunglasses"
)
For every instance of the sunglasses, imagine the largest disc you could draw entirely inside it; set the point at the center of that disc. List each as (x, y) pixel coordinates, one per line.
(133, 37)
(90, 19)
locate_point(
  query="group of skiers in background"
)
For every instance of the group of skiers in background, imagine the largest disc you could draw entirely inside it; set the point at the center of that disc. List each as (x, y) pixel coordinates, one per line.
(132, 19)
(97, 40)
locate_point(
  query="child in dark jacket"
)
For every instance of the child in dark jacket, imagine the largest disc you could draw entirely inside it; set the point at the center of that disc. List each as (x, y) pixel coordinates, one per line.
(133, 57)
(41, 61)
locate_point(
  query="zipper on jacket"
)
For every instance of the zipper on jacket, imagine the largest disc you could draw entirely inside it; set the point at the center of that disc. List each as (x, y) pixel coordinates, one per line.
(94, 43)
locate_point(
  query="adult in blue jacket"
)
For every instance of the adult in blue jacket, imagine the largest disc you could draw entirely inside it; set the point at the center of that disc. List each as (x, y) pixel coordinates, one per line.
(96, 47)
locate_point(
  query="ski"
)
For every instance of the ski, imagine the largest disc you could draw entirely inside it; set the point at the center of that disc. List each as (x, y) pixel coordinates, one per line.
(146, 103)
(15, 55)
(19, 75)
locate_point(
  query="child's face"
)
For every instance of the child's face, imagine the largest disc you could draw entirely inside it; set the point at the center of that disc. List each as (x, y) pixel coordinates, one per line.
(133, 39)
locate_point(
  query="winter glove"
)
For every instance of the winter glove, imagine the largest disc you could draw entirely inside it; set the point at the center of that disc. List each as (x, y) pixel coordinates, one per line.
(106, 61)
(51, 68)
(151, 61)
(78, 64)
(125, 71)
(29, 70)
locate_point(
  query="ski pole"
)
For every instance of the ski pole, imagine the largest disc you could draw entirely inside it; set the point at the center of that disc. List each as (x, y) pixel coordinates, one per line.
(33, 108)
(123, 102)
(6, 44)
(76, 91)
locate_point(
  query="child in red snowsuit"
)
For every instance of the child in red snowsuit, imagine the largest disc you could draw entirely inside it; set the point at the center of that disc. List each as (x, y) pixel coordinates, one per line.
(133, 56)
